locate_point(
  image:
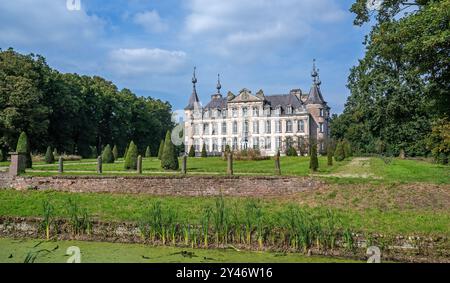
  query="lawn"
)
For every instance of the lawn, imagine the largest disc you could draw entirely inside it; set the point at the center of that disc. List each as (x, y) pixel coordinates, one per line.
(15, 251)
(390, 221)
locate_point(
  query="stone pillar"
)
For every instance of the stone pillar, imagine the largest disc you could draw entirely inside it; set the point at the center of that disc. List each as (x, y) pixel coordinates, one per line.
(99, 165)
(61, 165)
(18, 163)
(139, 164)
(184, 165)
(277, 164)
(230, 163)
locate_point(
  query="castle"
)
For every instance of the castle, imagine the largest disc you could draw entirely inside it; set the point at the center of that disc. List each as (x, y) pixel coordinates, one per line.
(265, 122)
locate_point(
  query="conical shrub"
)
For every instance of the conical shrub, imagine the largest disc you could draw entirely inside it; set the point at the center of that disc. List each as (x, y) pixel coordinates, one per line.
(49, 157)
(161, 149)
(192, 151)
(23, 146)
(313, 162)
(148, 153)
(204, 153)
(339, 154)
(107, 155)
(131, 158)
(115, 152)
(169, 159)
(330, 154)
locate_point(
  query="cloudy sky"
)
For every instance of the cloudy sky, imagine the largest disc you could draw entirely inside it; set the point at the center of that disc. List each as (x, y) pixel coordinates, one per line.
(151, 46)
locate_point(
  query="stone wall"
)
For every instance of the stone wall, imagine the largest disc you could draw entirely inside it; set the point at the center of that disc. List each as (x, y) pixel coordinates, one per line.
(5, 180)
(162, 185)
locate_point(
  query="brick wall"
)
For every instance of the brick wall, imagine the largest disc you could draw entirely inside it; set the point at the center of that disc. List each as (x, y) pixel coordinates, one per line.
(186, 186)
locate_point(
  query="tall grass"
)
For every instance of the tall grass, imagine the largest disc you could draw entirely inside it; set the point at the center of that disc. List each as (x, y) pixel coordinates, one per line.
(79, 219)
(47, 218)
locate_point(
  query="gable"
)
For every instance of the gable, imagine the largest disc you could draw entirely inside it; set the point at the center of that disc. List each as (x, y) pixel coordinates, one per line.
(245, 95)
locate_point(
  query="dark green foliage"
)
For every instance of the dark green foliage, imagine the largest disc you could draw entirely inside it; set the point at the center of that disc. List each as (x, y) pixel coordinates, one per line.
(330, 151)
(227, 148)
(49, 157)
(339, 153)
(314, 161)
(161, 149)
(148, 153)
(169, 159)
(347, 148)
(107, 155)
(23, 146)
(192, 151)
(126, 150)
(439, 141)
(291, 151)
(2, 155)
(131, 158)
(115, 152)
(204, 153)
(71, 112)
(93, 152)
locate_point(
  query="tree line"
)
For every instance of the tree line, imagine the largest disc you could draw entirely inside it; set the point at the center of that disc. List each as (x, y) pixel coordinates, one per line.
(72, 113)
(400, 100)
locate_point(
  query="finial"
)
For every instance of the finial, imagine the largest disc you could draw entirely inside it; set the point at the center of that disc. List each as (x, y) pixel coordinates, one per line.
(219, 86)
(194, 79)
(319, 82)
(314, 73)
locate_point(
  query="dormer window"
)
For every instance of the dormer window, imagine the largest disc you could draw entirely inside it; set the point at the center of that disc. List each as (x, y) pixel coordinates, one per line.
(267, 111)
(321, 112)
(224, 113)
(278, 111)
(289, 110)
(255, 112)
(234, 112)
(244, 111)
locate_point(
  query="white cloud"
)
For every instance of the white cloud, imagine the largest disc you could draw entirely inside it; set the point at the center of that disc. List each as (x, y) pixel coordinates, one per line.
(238, 25)
(150, 21)
(142, 61)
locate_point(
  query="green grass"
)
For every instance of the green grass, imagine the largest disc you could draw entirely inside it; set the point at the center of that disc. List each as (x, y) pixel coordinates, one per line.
(189, 209)
(15, 251)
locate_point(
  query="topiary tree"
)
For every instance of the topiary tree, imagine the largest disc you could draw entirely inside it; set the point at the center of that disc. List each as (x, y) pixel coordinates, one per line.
(330, 154)
(204, 153)
(115, 152)
(339, 153)
(23, 146)
(148, 153)
(49, 157)
(131, 157)
(55, 153)
(161, 149)
(126, 151)
(169, 158)
(107, 155)
(313, 162)
(291, 151)
(192, 151)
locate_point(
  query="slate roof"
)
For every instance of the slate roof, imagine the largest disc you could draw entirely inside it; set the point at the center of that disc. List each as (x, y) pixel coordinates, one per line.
(217, 102)
(315, 96)
(193, 100)
(283, 100)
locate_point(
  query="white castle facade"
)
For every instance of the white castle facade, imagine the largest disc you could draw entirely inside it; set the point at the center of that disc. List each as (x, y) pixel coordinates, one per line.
(265, 122)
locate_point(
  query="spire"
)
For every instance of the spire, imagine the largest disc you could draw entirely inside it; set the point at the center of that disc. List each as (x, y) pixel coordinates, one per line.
(314, 73)
(219, 86)
(193, 100)
(315, 95)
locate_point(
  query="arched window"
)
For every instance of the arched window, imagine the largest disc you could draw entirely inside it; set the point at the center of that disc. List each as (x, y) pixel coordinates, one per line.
(301, 126)
(288, 126)
(235, 144)
(235, 128)
(224, 144)
(224, 128)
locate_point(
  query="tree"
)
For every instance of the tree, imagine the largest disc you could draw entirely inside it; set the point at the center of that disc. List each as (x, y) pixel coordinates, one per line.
(314, 161)
(131, 158)
(2, 155)
(339, 154)
(23, 147)
(439, 141)
(291, 151)
(161, 149)
(192, 151)
(115, 152)
(204, 153)
(107, 155)
(49, 157)
(169, 159)
(347, 148)
(330, 154)
(148, 153)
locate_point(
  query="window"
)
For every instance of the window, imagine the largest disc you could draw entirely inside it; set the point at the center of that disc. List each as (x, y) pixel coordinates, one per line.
(235, 144)
(278, 143)
(321, 112)
(268, 127)
(301, 126)
(278, 126)
(207, 144)
(196, 129)
(321, 127)
(268, 143)
(224, 144)
(244, 111)
(215, 145)
(288, 126)
(278, 111)
(224, 128)
(214, 129)
(267, 111)
(245, 127)
(255, 112)
(234, 112)
(235, 128)
(256, 127)
(289, 110)
(224, 113)
(197, 145)
(206, 129)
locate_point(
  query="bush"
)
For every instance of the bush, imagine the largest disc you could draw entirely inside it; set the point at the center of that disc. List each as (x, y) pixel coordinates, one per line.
(23, 146)
(192, 151)
(248, 154)
(439, 141)
(169, 159)
(49, 157)
(2, 156)
(93, 152)
(204, 153)
(115, 152)
(330, 154)
(131, 157)
(161, 149)
(347, 148)
(107, 155)
(148, 153)
(291, 151)
(339, 154)
(313, 162)
(55, 154)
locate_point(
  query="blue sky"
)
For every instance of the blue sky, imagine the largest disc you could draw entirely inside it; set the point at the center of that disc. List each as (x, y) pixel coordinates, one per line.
(151, 46)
